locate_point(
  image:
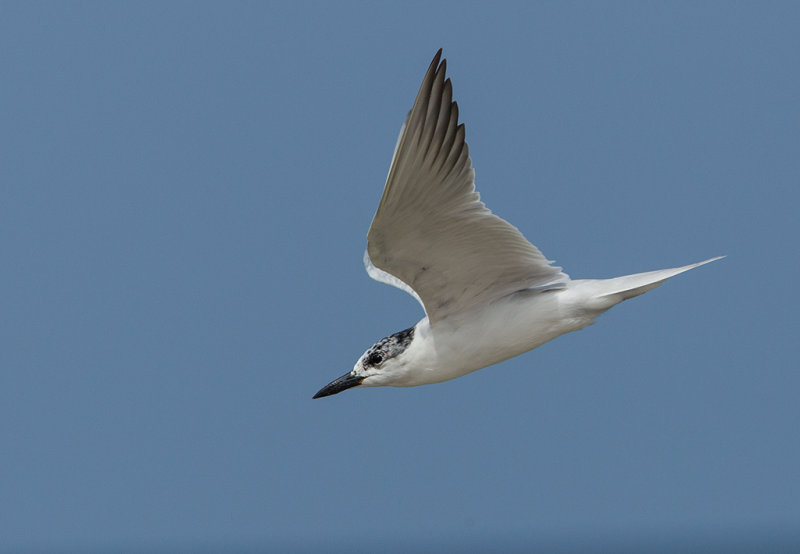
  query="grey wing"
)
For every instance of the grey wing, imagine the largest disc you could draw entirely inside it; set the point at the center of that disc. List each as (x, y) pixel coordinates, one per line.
(431, 233)
(383, 277)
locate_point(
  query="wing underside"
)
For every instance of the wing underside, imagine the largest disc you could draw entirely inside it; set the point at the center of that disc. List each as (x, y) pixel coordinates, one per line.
(431, 234)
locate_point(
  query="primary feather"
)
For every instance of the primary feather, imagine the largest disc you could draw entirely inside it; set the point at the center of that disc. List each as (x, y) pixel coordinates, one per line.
(431, 232)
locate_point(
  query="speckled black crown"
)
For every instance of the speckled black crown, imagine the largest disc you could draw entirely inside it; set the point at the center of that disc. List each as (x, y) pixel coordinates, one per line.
(388, 347)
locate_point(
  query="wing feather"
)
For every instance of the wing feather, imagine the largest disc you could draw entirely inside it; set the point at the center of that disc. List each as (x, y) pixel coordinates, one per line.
(431, 234)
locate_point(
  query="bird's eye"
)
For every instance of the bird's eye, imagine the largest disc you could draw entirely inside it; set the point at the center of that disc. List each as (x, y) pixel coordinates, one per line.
(374, 359)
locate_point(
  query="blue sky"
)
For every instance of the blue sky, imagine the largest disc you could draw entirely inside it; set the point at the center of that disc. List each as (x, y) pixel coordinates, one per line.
(186, 190)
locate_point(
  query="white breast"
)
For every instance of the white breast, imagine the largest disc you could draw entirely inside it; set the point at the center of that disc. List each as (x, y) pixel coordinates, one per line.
(490, 334)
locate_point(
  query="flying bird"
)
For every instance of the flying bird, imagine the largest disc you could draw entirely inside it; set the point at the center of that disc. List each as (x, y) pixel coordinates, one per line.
(488, 293)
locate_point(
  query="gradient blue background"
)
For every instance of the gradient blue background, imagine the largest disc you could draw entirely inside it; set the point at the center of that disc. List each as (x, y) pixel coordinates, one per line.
(186, 190)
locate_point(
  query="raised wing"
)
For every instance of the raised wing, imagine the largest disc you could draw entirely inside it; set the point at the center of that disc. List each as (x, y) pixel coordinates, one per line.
(431, 232)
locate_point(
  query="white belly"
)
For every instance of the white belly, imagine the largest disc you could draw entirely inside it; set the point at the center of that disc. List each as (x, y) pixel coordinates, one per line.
(493, 333)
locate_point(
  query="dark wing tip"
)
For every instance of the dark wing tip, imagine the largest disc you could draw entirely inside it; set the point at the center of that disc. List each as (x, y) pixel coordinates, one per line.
(434, 67)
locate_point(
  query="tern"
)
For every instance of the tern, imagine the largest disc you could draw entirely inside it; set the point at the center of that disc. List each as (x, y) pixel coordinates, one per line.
(488, 293)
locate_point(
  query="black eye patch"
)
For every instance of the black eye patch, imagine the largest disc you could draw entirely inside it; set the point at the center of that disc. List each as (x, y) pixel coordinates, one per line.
(388, 347)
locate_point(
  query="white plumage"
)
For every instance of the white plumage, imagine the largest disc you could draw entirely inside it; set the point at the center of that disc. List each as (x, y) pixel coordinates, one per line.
(488, 293)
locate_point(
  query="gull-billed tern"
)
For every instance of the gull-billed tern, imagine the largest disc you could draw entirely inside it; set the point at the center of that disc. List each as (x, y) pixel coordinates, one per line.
(488, 294)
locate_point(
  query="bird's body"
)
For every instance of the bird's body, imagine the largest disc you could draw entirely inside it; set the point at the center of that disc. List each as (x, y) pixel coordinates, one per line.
(484, 336)
(512, 325)
(488, 293)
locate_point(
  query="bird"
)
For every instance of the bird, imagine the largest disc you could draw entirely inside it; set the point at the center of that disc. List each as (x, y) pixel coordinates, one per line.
(488, 294)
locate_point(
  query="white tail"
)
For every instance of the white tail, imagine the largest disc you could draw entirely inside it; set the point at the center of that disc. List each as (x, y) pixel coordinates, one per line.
(629, 286)
(601, 294)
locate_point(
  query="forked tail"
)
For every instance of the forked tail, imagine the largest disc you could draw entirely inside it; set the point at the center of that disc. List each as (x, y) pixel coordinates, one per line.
(618, 289)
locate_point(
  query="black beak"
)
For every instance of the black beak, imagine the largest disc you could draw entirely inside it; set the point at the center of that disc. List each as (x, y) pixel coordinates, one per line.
(346, 381)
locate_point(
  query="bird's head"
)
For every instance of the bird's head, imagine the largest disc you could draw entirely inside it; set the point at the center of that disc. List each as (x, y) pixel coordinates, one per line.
(382, 364)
